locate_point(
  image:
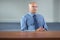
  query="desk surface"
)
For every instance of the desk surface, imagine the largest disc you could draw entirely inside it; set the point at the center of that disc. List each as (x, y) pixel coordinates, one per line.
(18, 34)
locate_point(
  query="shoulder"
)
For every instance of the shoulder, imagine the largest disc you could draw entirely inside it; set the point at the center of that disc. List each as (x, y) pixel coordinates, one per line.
(25, 16)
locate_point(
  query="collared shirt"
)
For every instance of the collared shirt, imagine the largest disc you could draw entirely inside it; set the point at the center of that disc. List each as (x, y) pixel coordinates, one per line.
(27, 22)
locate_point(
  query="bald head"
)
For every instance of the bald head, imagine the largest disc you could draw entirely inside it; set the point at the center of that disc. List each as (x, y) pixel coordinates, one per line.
(32, 3)
(33, 7)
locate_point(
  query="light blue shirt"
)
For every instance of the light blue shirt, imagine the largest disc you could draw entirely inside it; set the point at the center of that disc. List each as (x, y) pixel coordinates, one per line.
(27, 22)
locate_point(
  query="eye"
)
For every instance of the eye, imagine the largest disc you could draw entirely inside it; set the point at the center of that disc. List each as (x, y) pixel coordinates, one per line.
(34, 6)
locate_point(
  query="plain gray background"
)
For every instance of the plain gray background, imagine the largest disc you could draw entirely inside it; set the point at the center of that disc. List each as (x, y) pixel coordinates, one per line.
(13, 10)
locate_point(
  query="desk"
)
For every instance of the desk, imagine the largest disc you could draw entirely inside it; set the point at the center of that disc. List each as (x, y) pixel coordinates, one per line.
(17, 35)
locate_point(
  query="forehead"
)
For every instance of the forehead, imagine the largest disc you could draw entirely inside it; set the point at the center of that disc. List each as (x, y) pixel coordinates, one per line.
(33, 4)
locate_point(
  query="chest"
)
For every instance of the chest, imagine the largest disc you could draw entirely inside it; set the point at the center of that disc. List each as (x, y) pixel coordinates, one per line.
(30, 20)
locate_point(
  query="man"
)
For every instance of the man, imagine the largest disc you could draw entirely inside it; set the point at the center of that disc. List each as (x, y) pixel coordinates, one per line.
(33, 21)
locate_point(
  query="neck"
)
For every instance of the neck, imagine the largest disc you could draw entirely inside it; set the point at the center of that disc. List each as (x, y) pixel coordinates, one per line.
(33, 12)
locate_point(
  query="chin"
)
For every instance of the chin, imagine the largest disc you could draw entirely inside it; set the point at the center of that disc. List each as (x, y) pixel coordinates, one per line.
(34, 12)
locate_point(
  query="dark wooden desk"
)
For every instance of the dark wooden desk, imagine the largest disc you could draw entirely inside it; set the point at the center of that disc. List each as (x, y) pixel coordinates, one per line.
(17, 35)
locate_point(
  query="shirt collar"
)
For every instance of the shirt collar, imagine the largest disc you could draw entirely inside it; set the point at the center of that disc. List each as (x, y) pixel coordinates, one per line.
(31, 14)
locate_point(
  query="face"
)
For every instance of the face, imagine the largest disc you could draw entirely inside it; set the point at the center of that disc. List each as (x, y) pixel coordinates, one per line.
(33, 7)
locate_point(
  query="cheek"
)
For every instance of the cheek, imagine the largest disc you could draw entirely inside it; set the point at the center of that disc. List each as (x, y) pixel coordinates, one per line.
(35, 8)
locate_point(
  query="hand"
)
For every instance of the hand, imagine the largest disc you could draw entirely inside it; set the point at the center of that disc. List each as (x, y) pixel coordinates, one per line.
(41, 29)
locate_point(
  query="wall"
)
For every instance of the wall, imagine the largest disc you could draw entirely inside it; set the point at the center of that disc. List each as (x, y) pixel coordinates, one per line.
(56, 11)
(13, 10)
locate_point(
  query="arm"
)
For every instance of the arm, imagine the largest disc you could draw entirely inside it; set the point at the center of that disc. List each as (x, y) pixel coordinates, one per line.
(23, 24)
(44, 27)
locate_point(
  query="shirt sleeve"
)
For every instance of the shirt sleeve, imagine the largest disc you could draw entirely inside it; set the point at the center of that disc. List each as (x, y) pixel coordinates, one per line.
(45, 25)
(23, 24)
